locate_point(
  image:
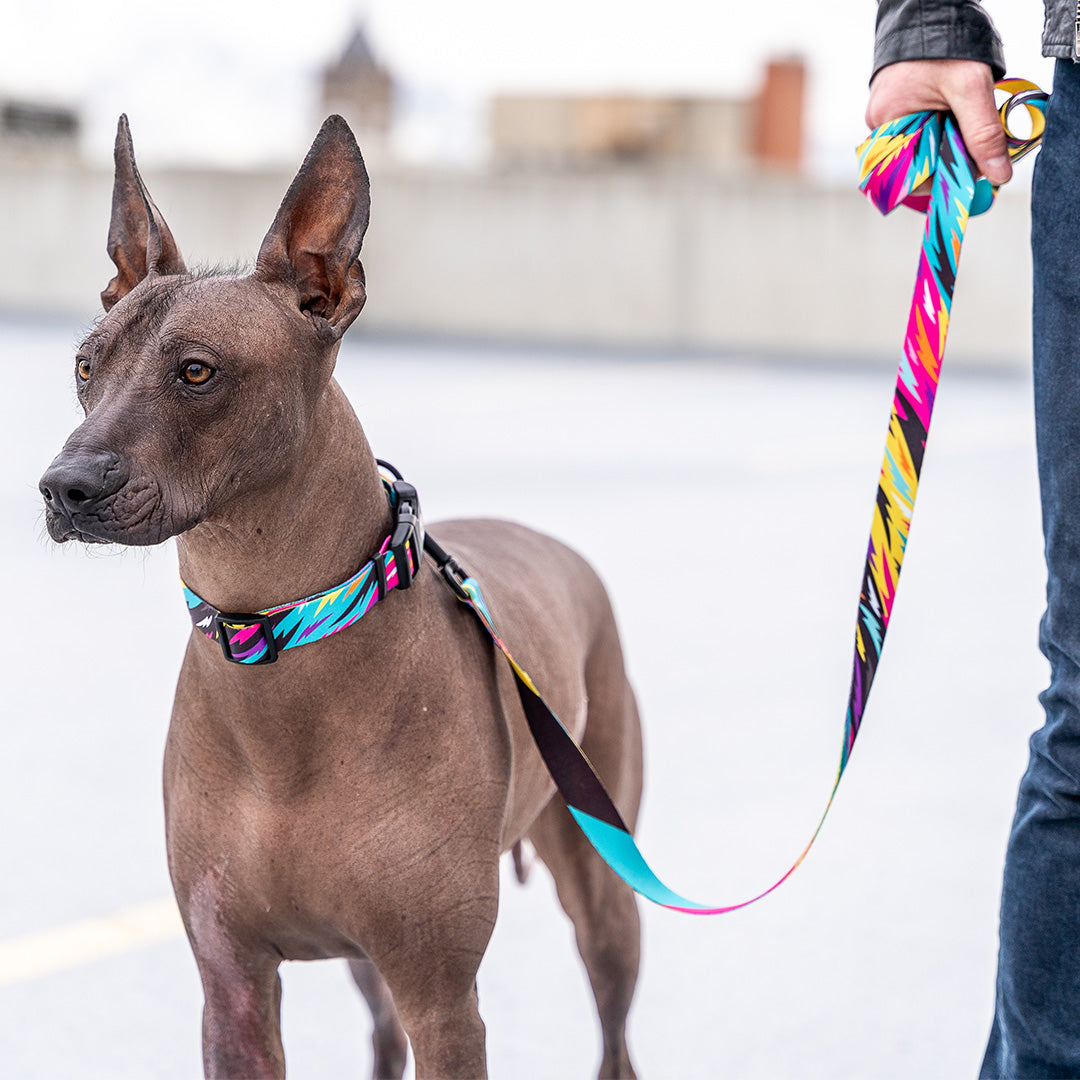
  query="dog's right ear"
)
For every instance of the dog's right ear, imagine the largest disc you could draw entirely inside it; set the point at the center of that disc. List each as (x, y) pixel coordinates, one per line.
(314, 243)
(140, 242)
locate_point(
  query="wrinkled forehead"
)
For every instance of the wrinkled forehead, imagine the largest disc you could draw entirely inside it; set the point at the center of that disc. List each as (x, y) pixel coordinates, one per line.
(225, 311)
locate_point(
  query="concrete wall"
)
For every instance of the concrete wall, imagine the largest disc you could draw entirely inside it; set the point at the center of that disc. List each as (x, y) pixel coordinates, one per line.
(656, 260)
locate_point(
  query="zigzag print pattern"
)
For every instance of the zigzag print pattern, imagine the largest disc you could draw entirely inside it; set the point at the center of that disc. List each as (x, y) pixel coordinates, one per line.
(306, 620)
(894, 164)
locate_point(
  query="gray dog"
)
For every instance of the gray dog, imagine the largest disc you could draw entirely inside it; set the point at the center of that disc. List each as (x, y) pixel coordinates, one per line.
(353, 797)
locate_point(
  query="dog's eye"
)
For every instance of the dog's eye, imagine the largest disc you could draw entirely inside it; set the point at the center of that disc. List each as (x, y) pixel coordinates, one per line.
(82, 368)
(195, 374)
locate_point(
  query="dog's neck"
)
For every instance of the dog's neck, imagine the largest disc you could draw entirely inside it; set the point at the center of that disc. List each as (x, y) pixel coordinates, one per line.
(301, 536)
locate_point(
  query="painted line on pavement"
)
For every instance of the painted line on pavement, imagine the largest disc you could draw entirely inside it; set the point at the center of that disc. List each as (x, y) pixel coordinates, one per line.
(45, 952)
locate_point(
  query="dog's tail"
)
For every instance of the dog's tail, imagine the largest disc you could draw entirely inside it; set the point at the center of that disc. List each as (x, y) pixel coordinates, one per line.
(523, 854)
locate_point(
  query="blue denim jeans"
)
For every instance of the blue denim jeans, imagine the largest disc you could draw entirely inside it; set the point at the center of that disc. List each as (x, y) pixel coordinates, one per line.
(1036, 1031)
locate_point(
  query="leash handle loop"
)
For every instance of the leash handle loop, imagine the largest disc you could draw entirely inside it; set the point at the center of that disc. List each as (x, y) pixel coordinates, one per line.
(1023, 93)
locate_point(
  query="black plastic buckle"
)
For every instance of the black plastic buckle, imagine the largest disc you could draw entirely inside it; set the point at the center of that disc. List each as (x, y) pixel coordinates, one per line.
(240, 621)
(408, 528)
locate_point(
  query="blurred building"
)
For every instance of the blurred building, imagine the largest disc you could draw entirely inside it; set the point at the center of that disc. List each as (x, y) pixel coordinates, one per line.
(737, 251)
(33, 131)
(718, 133)
(361, 89)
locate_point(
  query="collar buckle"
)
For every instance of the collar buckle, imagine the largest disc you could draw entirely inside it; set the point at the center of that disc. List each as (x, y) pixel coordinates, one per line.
(408, 535)
(237, 646)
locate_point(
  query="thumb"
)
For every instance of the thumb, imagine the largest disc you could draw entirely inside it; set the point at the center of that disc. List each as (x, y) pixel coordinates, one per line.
(984, 136)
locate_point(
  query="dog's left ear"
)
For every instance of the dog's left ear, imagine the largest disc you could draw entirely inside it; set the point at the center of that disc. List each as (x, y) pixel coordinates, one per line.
(314, 243)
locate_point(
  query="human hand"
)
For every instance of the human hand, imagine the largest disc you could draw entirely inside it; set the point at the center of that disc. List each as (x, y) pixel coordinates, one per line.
(966, 87)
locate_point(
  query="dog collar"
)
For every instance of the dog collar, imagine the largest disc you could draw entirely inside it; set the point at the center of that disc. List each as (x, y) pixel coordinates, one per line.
(258, 637)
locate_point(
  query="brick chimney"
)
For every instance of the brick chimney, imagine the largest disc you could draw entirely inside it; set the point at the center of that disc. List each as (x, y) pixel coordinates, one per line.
(778, 121)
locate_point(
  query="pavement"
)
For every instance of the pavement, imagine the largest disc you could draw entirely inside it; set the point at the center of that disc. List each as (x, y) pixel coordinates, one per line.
(726, 503)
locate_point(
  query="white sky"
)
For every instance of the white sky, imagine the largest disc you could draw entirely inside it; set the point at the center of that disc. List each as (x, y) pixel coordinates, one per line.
(232, 81)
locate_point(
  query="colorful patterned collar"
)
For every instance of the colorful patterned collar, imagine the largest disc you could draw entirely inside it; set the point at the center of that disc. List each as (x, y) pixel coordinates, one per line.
(258, 637)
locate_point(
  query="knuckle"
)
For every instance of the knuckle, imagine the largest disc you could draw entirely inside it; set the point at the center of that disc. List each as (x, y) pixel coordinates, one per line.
(971, 79)
(987, 136)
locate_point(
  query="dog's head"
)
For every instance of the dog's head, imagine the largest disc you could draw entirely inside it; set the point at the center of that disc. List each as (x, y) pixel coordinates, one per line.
(200, 388)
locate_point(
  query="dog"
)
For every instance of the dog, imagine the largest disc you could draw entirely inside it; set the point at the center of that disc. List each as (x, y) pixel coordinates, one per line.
(353, 797)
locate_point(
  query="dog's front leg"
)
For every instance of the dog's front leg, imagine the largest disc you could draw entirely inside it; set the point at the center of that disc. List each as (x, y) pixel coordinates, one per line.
(242, 1023)
(242, 992)
(447, 1038)
(438, 943)
(241, 1019)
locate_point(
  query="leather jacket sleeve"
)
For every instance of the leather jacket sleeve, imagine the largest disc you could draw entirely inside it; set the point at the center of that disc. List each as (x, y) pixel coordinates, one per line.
(936, 30)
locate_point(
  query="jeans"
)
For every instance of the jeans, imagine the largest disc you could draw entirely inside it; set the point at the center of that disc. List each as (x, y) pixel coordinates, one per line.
(1036, 1029)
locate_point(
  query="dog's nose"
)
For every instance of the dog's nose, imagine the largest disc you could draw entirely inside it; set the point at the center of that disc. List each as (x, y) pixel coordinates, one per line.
(76, 481)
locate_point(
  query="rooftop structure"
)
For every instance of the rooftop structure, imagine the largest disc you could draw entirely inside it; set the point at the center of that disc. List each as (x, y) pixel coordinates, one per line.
(722, 133)
(361, 89)
(33, 130)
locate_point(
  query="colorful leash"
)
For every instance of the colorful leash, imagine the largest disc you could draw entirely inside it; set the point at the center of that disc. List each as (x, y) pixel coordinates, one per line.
(895, 161)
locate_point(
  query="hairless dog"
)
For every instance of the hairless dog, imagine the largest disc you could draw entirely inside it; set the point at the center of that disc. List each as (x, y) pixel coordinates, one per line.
(353, 797)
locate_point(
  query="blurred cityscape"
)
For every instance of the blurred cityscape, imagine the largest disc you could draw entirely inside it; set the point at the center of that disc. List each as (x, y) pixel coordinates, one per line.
(649, 221)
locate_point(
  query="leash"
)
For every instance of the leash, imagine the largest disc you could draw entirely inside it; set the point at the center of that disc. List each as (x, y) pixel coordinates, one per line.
(895, 161)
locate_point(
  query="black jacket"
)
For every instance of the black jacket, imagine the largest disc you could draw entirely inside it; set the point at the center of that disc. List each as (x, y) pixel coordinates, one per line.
(962, 30)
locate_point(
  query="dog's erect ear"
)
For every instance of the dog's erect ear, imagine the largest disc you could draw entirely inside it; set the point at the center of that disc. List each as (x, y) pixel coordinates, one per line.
(140, 242)
(314, 243)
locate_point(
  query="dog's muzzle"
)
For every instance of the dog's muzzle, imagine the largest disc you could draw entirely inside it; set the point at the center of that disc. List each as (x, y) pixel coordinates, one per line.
(76, 488)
